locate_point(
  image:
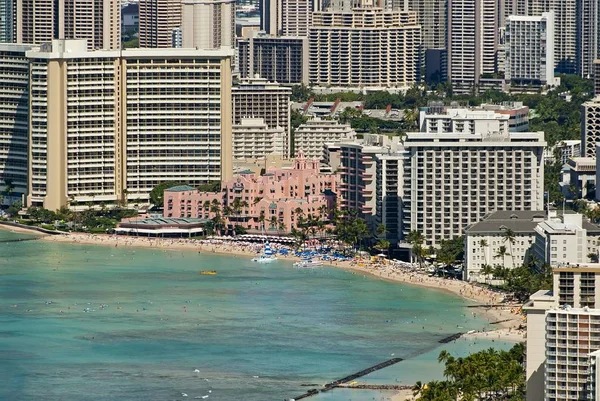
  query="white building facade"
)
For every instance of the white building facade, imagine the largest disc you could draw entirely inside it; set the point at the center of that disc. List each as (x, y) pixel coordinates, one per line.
(253, 139)
(311, 136)
(530, 50)
(457, 179)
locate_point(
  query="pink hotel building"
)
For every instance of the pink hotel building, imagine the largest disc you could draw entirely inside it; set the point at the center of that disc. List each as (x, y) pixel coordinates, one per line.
(279, 193)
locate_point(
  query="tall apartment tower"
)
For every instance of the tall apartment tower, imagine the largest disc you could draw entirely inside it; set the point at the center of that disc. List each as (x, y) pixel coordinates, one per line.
(97, 21)
(590, 127)
(587, 42)
(208, 24)
(7, 21)
(157, 19)
(565, 26)
(288, 17)
(14, 86)
(432, 16)
(530, 50)
(128, 140)
(473, 38)
(366, 47)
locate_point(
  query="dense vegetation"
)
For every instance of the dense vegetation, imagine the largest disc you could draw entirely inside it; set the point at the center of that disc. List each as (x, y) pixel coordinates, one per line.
(486, 375)
(557, 112)
(94, 221)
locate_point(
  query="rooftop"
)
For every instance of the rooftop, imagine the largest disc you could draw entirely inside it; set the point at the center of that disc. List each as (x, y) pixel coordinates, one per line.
(180, 188)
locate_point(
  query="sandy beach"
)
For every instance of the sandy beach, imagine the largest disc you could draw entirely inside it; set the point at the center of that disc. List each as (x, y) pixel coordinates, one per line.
(504, 317)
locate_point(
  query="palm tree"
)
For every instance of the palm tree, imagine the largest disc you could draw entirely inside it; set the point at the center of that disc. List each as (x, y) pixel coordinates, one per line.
(416, 239)
(410, 118)
(487, 270)
(273, 222)
(502, 253)
(417, 389)
(281, 227)
(381, 230)
(483, 245)
(261, 219)
(383, 245)
(509, 236)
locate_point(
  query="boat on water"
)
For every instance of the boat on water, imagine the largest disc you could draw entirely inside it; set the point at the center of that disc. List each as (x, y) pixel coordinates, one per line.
(308, 263)
(267, 255)
(208, 273)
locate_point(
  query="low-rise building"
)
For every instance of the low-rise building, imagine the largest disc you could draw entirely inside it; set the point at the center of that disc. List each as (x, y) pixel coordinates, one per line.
(275, 201)
(312, 135)
(568, 240)
(502, 118)
(483, 241)
(253, 139)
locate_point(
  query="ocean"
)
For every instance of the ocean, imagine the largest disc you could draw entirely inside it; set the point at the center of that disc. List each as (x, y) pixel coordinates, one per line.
(100, 323)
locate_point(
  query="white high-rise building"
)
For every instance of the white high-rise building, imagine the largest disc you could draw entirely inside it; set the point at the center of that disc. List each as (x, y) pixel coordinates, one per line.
(157, 20)
(456, 179)
(473, 40)
(121, 122)
(565, 30)
(311, 136)
(288, 17)
(530, 50)
(208, 24)
(563, 335)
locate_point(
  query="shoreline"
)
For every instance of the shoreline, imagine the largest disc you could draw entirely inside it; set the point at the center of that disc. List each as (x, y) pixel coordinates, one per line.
(506, 321)
(502, 316)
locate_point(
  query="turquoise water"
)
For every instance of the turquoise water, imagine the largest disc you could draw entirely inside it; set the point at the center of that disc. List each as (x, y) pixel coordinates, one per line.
(253, 332)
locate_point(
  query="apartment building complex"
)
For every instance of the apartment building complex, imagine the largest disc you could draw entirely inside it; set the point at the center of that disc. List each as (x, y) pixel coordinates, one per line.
(7, 21)
(472, 42)
(587, 42)
(563, 327)
(456, 179)
(364, 48)
(281, 59)
(39, 21)
(530, 50)
(288, 17)
(258, 98)
(389, 186)
(125, 120)
(565, 31)
(253, 139)
(208, 24)
(157, 20)
(311, 136)
(14, 86)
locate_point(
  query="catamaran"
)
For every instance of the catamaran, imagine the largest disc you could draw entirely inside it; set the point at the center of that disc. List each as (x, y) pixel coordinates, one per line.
(267, 255)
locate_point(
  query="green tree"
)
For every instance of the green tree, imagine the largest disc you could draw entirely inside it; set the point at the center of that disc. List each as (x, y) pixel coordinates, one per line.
(509, 236)
(157, 193)
(416, 239)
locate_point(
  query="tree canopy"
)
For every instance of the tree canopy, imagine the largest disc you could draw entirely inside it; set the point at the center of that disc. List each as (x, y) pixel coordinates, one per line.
(485, 375)
(157, 193)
